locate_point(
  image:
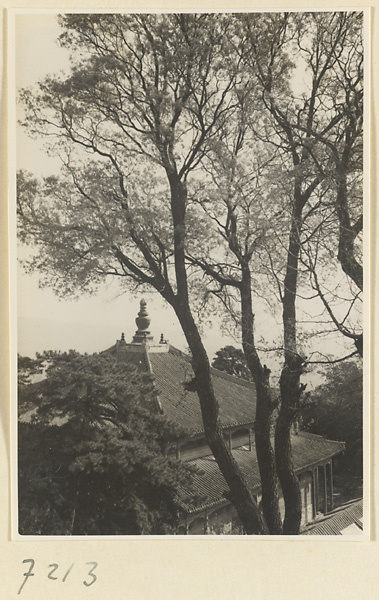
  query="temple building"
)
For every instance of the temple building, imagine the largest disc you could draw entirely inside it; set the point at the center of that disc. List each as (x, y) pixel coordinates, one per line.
(213, 513)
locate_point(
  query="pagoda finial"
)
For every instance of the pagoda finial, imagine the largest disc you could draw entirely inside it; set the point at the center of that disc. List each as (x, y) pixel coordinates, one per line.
(142, 321)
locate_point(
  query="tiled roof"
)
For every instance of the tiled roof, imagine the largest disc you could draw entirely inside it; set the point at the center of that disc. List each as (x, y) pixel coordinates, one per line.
(210, 486)
(172, 369)
(350, 513)
(309, 449)
(236, 397)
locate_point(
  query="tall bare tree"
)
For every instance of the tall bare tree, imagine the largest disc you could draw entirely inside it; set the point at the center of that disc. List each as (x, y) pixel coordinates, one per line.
(323, 43)
(187, 146)
(306, 129)
(146, 96)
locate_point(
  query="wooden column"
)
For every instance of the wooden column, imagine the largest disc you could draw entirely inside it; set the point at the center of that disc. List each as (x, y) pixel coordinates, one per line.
(331, 484)
(177, 452)
(305, 507)
(325, 491)
(317, 490)
(314, 499)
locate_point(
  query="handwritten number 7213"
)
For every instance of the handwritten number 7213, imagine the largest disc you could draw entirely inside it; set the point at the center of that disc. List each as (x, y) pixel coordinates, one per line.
(53, 574)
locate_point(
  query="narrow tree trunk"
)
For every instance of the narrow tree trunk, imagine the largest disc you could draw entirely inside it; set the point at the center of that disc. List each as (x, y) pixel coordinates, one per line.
(73, 521)
(76, 524)
(264, 409)
(265, 457)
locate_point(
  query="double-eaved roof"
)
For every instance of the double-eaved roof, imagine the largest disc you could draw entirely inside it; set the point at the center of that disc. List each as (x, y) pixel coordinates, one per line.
(172, 372)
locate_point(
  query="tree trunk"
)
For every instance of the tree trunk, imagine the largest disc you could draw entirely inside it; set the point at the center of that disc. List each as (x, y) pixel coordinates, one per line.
(359, 344)
(347, 235)
(240, 494)
(264, 409)
(290, 389)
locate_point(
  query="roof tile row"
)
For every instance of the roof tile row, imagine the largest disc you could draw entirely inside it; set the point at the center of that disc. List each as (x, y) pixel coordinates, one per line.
(335, 522)
(210, 487)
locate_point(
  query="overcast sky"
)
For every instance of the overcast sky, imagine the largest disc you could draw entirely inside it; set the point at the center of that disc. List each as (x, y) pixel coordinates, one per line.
(90, 324)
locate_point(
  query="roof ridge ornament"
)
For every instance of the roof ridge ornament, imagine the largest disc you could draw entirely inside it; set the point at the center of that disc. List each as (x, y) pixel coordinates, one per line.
(142, 335)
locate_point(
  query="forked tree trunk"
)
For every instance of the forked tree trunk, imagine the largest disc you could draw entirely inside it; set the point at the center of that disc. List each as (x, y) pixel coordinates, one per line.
(290, 388)
(240, 494)
(264, 410)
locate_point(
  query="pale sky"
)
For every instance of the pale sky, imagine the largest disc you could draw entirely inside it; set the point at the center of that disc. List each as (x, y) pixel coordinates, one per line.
(90, 324)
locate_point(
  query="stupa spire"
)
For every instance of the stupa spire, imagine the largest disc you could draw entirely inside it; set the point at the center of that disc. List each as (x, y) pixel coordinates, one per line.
(142, 321)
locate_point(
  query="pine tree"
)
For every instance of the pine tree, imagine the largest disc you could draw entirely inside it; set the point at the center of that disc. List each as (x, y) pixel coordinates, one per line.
(92, 452)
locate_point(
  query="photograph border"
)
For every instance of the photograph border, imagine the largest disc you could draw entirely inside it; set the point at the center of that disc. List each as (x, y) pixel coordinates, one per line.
(369, 413)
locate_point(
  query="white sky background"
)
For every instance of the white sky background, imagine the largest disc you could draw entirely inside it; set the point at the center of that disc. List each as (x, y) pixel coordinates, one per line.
(91, 323)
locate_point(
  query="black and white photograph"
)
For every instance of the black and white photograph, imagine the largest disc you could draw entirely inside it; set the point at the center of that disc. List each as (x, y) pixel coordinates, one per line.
(189, 209)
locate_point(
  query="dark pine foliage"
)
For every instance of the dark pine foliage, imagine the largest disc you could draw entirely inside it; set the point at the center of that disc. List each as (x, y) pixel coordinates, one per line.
(91, 451)
(232, 360)
(336, 411)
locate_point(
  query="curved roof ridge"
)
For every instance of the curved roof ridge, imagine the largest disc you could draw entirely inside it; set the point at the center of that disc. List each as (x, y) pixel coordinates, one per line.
(180, 353)
(309, 434)
(234, 378)
(107, 350)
